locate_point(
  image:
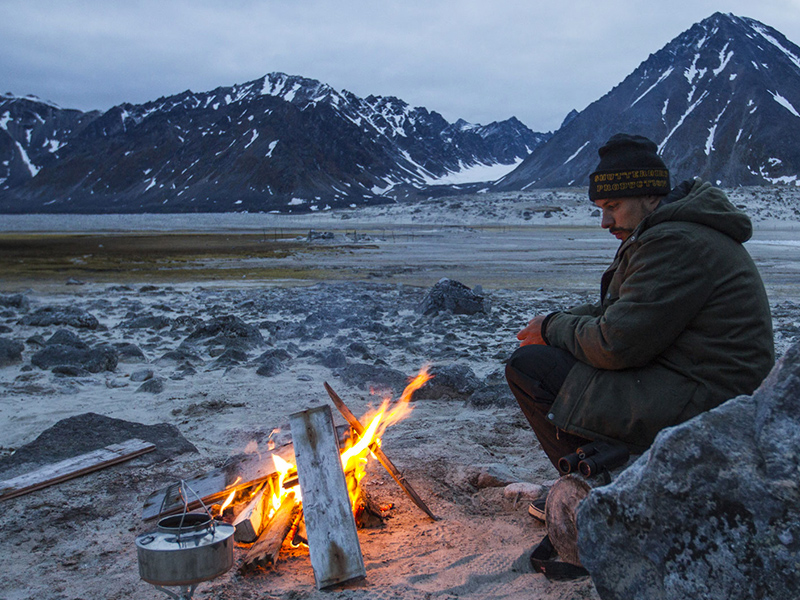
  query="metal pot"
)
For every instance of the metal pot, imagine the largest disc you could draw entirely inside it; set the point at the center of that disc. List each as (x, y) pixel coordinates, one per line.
(184, 550)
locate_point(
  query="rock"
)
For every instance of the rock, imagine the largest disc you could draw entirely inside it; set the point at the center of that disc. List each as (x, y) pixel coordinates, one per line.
(130, 353)
(70, 371)
(89, 431)
(152, 386)
(94, 360)
(10, 352)
(270, 367)
(494, 475)
(359, 350)
(454, 296)
(227, 331)
(229, 358)
(712, 510)
(5, 329)
(450, 382)
(57, 315)
(366, 376)
(278, 353)
(523, 491)
(332, 358)
(176, 357)
(497, 394)
(14, 301)
(65, 337)
(146, 322)
(142, 375)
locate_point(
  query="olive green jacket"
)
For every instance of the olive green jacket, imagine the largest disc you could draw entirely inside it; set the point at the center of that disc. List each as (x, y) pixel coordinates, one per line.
(683, 325)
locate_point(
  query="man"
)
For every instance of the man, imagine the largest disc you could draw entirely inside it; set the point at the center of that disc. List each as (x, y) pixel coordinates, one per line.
(683, 322)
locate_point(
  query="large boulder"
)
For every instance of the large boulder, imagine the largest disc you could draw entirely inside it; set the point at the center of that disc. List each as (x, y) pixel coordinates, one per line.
(454, 296)
(712, 510)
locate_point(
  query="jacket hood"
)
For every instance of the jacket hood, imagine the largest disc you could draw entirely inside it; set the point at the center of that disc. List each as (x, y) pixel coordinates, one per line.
(698, 201)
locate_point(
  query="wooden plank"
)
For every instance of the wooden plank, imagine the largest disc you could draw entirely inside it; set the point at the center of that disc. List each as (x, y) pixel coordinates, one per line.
(249, 523)
(333, 543)
(264, 552)
(379, 454)
(73, 467)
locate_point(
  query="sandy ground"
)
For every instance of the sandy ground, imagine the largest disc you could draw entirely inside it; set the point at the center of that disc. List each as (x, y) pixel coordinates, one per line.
(75, 540)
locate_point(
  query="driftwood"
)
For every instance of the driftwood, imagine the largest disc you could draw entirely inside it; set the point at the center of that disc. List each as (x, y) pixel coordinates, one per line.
(249, 523)
(264, 552)
(73, 467)
(333, 543)
(379, 454)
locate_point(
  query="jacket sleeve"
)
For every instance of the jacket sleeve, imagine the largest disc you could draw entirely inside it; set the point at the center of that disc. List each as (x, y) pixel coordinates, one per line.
(664, 285)
(594, 310)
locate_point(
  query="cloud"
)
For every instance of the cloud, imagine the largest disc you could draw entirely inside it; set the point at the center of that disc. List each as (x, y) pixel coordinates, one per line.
(471, 59)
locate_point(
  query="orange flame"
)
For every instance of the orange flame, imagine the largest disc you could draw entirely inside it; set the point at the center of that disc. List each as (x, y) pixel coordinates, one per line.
(230, 497)
(355, 458)
(278, 493)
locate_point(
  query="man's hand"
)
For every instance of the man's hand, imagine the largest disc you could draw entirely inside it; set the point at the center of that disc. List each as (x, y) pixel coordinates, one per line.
(532, 334)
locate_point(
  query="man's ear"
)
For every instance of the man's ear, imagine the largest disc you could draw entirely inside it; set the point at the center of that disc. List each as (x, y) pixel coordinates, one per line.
(652, 202)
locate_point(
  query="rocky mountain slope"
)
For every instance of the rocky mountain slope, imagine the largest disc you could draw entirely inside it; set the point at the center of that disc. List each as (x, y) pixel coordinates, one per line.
(277, 143)
(721, 100)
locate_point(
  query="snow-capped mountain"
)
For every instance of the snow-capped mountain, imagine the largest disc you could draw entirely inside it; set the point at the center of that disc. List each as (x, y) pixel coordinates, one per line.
(721, 100)
(281, 143)
(31, 133)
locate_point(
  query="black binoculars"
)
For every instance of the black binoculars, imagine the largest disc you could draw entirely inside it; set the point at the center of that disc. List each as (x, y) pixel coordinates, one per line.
(593, 458)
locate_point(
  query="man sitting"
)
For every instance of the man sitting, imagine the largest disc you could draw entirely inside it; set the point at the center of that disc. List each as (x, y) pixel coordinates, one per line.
(682, 325)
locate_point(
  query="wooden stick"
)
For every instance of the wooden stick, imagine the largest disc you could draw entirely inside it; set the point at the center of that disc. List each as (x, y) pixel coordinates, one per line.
(264, 552)
(333, 544)
(249, 523)
(376, 450)
(73, 467)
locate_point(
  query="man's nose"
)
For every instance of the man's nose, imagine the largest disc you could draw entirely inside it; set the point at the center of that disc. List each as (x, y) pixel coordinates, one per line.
(606, 221)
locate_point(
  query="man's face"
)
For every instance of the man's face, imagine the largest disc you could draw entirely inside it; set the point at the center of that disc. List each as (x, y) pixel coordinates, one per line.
(622, 215)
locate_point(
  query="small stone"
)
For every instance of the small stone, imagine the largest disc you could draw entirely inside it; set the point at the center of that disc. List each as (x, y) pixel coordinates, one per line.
(152, 386)
(142, 375)
(523, 490)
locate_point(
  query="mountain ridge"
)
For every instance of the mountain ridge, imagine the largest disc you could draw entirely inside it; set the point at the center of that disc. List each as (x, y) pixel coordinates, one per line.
(281, 142)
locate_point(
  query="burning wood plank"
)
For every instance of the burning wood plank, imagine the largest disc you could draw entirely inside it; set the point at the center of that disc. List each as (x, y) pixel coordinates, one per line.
(249, 523)
(214, 485)
(73, 467)
(333, 543)
(379, 454)
(264, 552)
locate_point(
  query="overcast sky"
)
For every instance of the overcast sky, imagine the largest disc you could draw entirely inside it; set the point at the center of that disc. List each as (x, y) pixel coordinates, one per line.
(478, 60)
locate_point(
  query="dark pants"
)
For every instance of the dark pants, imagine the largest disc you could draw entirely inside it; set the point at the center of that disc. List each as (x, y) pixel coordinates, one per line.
(535, 374)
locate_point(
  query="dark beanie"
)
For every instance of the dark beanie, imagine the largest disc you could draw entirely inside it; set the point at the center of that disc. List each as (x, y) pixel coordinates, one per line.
(629, 166)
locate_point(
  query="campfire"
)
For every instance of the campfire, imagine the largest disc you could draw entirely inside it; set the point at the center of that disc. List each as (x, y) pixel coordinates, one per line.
(308, 490)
